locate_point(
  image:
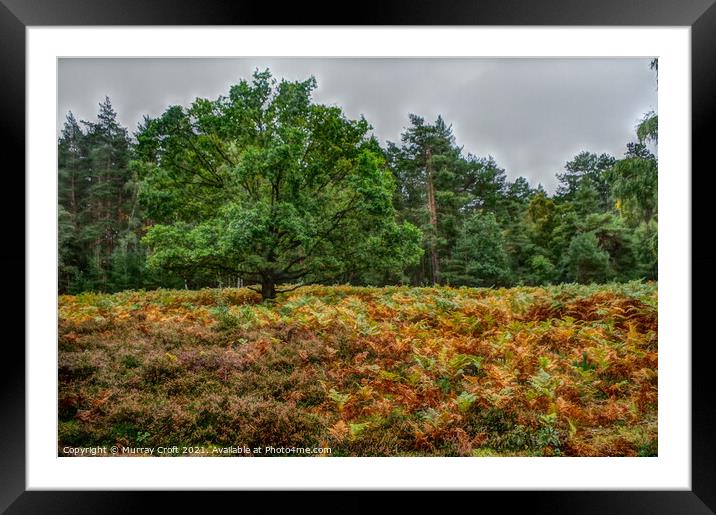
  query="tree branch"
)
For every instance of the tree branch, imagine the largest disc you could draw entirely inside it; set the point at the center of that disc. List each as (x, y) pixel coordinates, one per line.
(210, 168)
(207, 181)
(291, 288)
(221, 153)
(292, 276)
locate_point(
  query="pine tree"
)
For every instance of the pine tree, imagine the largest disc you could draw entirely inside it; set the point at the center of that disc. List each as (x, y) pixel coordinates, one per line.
(99, 217)
(426, 160)
(587, 169)
(585, 261)
(108, 202)
(479, 258)
(72, 189)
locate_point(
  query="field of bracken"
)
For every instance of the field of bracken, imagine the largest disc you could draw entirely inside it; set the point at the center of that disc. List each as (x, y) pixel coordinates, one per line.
(566, 370)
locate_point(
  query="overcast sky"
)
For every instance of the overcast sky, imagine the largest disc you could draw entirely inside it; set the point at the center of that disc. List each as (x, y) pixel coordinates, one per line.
(531, 115)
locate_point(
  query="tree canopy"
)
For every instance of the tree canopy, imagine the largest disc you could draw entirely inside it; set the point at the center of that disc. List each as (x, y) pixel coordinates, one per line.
(268, 185)
(266, 188)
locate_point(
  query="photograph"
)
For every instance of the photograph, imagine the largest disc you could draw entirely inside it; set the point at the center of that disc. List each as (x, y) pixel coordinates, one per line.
(357, 257)
(447, 248)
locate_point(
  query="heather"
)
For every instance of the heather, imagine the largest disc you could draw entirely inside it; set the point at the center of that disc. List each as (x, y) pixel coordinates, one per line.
(567, 370)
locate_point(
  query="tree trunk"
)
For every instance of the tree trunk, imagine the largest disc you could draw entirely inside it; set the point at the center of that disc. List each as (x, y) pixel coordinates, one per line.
(433, 211)
(268, 288)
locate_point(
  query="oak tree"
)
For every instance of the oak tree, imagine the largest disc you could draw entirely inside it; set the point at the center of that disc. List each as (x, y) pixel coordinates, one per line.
(269, 185)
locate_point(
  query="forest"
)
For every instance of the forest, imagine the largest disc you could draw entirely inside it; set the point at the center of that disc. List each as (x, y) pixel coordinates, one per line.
(266, 189)
(259, 271)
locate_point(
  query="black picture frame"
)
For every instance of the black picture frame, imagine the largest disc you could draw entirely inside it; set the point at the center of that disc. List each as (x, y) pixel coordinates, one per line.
(16, 15)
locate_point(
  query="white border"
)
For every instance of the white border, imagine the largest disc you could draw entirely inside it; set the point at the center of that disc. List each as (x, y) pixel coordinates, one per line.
(671, 470)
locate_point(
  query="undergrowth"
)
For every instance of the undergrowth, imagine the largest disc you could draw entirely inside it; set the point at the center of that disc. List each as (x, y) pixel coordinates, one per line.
(568, 370)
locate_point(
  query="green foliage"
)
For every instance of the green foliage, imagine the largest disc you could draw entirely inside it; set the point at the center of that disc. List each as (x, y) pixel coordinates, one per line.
(229, 318)
(357, 429)
(270, 186)
(142, 437)
(635, 182)
(587, 170)
(585, 364)
(585, 261)
(427, 168)
(648, 128)
(479, 258)
(544, 384)
(339, 398)
(131, 361)
(646, 248)
(541, 270)
(265, 188)
(615, 239)
(465, 400)
(99, 218)
(648, 449)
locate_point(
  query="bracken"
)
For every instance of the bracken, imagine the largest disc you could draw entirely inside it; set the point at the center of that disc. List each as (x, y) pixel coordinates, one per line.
(568, 370)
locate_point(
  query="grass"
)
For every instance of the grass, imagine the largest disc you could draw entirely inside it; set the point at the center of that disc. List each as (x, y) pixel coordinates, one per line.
(567, 370)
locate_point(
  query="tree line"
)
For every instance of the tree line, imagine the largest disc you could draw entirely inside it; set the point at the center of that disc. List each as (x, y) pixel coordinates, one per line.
(265, 188)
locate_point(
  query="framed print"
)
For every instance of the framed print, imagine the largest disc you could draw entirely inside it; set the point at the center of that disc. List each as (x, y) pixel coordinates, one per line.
(425, 246)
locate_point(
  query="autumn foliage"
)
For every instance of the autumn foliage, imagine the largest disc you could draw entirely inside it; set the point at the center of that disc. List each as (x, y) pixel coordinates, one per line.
(398, 371)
